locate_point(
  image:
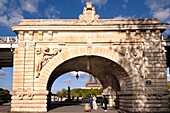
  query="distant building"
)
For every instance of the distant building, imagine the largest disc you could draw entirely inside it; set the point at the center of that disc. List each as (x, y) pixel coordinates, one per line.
(93, 83)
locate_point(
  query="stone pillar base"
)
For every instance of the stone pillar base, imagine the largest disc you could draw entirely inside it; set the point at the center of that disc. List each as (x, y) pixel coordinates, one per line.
(141, 103)
(34, 101)
(28, 110)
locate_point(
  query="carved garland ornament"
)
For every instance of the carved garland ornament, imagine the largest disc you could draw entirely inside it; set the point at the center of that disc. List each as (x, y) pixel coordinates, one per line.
(43, 57)
(29, 96)
(150, 92)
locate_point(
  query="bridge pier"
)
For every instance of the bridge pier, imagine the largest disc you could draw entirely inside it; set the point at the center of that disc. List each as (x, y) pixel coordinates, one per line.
(138, 102)
(29, 101)
(126, 54)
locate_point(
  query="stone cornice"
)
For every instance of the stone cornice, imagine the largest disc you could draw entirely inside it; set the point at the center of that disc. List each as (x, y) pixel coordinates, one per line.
(89, 21)
(90, 27)
(59, 22)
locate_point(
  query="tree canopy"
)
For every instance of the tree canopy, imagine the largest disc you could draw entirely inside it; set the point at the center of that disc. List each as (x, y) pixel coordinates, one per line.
(85, 93)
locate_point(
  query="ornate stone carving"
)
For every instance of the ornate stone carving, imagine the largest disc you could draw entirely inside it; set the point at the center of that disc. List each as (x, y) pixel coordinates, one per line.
(28, 94)
(89, 15)
(133, 55)
(121, 50)
(20, 96)
(43, 56)
(154, 92)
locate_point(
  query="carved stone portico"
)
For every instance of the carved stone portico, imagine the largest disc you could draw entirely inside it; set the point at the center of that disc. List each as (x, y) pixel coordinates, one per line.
(124, 54)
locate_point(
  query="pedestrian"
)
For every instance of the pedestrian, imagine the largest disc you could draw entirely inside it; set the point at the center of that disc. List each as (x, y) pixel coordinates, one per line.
(87, 107)
(105, 101)
(94, 103)
(91, 102)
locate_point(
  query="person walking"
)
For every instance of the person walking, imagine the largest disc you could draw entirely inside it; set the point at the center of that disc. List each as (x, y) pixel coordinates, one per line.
(94, 103)
(105, 101)
(91, 102)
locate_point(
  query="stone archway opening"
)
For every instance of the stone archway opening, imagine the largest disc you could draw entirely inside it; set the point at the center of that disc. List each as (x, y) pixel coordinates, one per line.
(109, 73)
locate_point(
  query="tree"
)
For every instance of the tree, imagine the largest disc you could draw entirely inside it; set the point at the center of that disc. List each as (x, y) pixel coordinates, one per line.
(85, 93)
(5, 95)
(64, 92)
(168, 86)
(59, 94)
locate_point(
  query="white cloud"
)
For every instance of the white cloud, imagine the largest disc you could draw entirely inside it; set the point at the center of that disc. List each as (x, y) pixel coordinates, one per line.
(11, 13)
(2, 6)
(52, 12)
(119, 17)
(123, 17)
(67, 81)
(168, 77)
(162, 14)
(160, 9)
(156, 4)
(96, 2)
(4, 20)
(13, 16)
(125, 3)
(30, 6)
(2, 72)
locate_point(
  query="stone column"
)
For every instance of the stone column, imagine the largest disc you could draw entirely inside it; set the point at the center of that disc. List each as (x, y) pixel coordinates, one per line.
(111, 95)
(155, 74)
(25, 97)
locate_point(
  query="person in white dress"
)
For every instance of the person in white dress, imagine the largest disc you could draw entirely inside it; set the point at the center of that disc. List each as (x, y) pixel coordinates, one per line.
(94, 103)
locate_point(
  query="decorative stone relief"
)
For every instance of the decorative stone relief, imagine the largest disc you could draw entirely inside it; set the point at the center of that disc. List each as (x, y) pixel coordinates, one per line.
(89, 15)
(154, 92)
(20, 96)
(121, 50)
(153, 41)
(43, 57)
(133, 55)
(27, 94)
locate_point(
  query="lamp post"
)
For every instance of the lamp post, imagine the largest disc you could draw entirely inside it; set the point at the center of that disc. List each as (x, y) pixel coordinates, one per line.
(11, 49)
(77, 75)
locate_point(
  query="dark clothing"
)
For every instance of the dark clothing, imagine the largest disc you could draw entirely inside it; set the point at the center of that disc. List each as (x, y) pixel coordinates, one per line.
(91, 102)
(105, 101)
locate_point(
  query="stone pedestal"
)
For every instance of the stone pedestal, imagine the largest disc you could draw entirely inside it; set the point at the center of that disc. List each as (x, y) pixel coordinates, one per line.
(29, 101)
(141, 102)
(111, 96)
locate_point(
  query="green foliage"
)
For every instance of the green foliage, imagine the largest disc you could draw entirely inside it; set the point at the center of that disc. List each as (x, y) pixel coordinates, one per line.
(168, 86)
(4, 92)
(59, 94)
(80, 92)
(63, 92)
(5, 95)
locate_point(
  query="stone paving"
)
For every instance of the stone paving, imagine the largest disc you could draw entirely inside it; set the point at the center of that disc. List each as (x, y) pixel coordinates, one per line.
(62, 109)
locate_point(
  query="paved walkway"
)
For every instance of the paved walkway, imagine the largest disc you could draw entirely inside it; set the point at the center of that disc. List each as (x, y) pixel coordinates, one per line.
(63, 109)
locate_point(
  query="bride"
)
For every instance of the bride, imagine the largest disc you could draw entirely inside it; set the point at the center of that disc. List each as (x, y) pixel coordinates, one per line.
(94, 103)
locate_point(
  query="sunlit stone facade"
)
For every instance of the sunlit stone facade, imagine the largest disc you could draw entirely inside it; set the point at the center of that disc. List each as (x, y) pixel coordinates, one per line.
(125, 54)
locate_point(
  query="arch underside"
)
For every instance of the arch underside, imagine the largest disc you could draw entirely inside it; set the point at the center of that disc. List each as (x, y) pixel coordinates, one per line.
(108, 72)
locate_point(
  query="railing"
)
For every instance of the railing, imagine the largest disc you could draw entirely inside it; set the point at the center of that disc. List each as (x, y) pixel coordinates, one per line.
(9, 40)
(14, 40)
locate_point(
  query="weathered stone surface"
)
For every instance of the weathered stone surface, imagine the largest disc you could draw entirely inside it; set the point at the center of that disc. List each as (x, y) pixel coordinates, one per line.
(122, 54)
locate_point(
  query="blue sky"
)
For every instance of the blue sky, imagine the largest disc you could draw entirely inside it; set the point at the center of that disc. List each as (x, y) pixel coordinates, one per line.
(11, 11)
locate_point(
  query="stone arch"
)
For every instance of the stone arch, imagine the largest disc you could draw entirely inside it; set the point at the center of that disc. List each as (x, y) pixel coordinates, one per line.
(75, 52)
